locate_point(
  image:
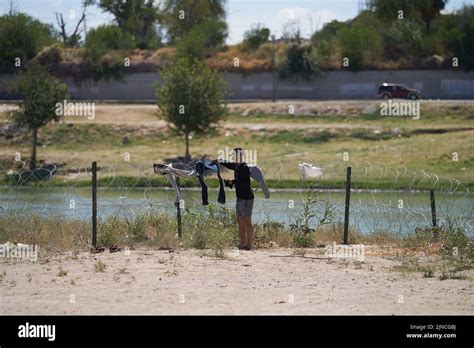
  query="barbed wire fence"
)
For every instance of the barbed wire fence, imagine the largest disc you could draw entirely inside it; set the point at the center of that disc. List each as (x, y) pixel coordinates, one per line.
(382, 198)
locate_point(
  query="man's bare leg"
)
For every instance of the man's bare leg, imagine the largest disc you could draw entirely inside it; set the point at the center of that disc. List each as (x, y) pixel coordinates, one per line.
(249, 230)
(242, 231)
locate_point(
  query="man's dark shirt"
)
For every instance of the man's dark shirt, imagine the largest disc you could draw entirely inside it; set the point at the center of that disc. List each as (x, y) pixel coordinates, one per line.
(241, 179)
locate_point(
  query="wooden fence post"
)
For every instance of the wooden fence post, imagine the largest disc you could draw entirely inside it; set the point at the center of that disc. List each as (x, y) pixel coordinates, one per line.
(94, 204)
(348, 200)
(178, 215)
(433, 208)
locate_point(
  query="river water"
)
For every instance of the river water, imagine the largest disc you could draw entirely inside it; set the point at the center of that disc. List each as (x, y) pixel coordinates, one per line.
(399, 212)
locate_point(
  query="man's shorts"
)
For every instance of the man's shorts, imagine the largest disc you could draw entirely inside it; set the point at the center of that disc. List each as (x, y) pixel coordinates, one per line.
(244, 207)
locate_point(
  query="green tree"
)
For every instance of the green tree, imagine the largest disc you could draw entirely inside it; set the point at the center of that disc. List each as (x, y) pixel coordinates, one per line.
(360, 44)
(136, 17)
(143, 25)
(424, 10)
(100, 51)
(429, 10)
(300, 62)
(457, 33)
(204, 38)
(388, 10)
(328, 32)
(191, 98)
(105, 38)
(255, 37)
(22, 36)
(403, 38)
(180, 16)
(40, 92)
(325, 40)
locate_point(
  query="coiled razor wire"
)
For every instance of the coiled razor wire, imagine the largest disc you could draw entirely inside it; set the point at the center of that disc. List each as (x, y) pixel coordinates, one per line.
(127, 190)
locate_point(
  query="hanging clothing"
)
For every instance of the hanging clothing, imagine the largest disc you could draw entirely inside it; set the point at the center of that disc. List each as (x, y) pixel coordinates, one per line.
(257, 174)
(204, 167)
(308, 170)
(172, 173)
(242, 174)
(241, 179)
(168, 168)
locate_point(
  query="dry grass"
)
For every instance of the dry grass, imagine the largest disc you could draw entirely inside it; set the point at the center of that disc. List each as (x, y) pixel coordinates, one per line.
(216, 233)
(257, 60)
(52, 234)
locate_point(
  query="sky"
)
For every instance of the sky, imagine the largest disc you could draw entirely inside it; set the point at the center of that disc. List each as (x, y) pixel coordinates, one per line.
(308, 15)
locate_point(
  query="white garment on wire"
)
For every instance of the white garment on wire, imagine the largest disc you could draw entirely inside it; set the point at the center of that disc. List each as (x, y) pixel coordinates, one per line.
(308, 170)
(172, 173)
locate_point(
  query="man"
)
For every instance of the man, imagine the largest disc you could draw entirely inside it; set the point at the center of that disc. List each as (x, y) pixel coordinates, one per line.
(244, 204)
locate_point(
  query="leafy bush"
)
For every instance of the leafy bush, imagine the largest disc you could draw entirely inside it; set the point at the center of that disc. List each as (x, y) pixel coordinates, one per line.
(100, 51)
(255, 37)
(110, 231)
(136, 227)
(300, 63)
(203, 40)
(457, 33)
(454, 237)
(104, 38)
(161, 230)
(403, 38)
(360, 44)
(192, 45)
(215, 231)
(22, 36)
(450, 238)
(303, 234)
(108, 66)
(328, 33)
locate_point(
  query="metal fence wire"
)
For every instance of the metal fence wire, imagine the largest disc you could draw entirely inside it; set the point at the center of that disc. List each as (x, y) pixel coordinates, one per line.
(128, 189)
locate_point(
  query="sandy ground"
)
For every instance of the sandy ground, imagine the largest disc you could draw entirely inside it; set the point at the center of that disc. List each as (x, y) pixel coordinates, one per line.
(267, 281)
(121, 113)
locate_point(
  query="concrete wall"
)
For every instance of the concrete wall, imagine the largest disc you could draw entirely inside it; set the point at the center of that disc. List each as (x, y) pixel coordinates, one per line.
(446, 84)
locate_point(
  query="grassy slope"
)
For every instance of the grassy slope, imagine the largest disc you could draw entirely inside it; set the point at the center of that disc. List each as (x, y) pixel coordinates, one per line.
(101, 140)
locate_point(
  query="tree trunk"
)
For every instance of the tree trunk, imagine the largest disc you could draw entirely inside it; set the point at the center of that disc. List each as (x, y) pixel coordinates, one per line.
(186, 137)
(33, 153)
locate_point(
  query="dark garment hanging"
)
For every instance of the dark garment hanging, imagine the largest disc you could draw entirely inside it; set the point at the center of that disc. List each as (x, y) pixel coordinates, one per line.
(202, 168)
(241, 179)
